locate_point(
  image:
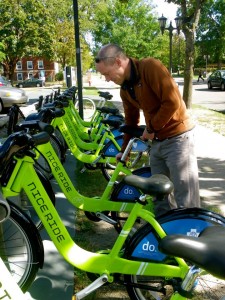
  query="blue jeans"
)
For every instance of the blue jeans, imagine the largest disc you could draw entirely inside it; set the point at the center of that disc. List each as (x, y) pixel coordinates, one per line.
(175, 157)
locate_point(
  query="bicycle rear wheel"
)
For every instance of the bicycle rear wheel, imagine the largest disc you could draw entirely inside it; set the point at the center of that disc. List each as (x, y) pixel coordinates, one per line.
(21, 247)
(187, 221)
(89, 107)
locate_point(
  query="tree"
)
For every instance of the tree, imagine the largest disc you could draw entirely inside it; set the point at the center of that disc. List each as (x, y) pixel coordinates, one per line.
(25, 29)
(190, 13)
(210, 33)
(2, 53)
(130, 24)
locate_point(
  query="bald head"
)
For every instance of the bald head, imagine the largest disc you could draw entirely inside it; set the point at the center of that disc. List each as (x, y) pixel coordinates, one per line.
(108, 53)
(113, 63)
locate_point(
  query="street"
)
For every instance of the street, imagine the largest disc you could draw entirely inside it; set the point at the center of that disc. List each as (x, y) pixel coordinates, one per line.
(213, 99)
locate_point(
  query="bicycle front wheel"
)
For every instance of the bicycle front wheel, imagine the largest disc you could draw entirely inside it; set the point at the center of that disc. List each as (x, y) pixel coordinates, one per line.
(21, 247)
(89, 107)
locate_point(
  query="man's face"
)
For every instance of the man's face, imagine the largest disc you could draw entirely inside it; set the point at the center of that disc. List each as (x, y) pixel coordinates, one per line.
(113, 72)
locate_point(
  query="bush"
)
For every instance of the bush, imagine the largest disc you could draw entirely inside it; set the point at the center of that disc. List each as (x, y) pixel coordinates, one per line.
(59, 76)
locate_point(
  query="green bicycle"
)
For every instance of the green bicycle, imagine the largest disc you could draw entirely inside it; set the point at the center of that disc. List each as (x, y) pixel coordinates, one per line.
(117, 198)
(134, 260)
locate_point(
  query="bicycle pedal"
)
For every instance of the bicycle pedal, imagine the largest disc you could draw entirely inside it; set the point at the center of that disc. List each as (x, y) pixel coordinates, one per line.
(84, 169)
(92, 287)
(105, 218)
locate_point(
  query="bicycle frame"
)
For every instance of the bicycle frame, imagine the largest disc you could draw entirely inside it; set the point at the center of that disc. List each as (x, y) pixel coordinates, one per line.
(103, 133)
(69, 133)
(94, 204)
(103, 264)
(94, 130)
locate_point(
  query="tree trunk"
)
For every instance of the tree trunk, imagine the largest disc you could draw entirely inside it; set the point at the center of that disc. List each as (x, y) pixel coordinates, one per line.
(189, 66)
(190, 22)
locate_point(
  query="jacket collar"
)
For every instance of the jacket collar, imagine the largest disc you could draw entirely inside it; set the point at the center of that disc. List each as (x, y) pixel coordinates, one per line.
(134, 75)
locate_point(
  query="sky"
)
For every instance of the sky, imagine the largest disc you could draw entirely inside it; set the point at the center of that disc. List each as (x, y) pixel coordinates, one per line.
(167, 9)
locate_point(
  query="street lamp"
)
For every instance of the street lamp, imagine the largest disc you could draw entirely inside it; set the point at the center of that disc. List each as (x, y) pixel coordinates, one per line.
(162, 22)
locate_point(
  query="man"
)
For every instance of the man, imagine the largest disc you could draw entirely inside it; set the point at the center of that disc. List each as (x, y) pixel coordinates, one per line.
(146, 84)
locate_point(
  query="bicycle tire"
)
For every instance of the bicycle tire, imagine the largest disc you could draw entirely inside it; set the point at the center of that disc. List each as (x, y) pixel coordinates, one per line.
(21, 247)
(89, 107)
(159, 288)
(60, 137)
(24, 203)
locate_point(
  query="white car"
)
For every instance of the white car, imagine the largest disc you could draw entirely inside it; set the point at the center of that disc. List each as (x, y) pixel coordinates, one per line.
(11, 95)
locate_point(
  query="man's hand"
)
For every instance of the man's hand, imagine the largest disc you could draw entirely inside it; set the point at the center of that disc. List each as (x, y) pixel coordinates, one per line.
(147, 136)
(118, 156)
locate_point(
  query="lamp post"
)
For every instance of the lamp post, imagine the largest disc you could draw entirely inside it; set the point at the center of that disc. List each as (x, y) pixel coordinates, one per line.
(162, 22)
(78, 57)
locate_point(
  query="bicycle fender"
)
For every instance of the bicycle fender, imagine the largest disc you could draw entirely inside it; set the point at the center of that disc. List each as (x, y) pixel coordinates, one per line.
(186, 221)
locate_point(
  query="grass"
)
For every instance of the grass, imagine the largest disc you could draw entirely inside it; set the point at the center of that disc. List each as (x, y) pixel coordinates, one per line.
(209, 118)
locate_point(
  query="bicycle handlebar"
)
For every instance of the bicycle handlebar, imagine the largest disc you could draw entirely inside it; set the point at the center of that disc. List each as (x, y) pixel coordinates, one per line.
(17, 142)
(35, 125)
(46, 114)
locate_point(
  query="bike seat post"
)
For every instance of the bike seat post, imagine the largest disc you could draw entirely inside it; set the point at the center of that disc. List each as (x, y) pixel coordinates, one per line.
(128, 149)
(101, 102)
(190, 279)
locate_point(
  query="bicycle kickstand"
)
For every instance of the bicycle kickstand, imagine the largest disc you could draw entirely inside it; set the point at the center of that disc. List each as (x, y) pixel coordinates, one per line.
(91, 288)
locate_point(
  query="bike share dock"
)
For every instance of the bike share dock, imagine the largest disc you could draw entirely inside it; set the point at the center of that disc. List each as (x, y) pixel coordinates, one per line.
(56, 279)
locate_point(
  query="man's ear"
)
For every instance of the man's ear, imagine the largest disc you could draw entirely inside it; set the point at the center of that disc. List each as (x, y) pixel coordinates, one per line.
(118, 62)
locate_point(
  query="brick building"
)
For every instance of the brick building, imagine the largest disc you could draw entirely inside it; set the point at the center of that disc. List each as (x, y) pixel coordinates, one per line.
(37, 67)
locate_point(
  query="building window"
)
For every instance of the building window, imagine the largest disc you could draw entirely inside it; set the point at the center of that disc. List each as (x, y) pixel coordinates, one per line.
(40, 64)
(19, 76)
(19, 65)
(29, 65)
(30, 75)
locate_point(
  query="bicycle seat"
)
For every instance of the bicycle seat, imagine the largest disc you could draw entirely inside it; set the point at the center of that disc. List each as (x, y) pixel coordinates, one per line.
(206, 251)
(113, 123)
(157, 185)
(133, 131)
(108, 110)
(105, 95)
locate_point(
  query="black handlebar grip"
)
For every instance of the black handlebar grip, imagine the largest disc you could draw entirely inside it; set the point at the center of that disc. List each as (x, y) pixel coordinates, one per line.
(41, 138)
(58, 112)
(46, 127)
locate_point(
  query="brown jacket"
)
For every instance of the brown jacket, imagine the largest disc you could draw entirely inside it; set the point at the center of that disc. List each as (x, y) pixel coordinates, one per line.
(157, 94)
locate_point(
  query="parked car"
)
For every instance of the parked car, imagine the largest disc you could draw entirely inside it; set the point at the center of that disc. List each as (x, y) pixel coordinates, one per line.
(217, 79)
(31, 82)
(4, 81)
(11, 95)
